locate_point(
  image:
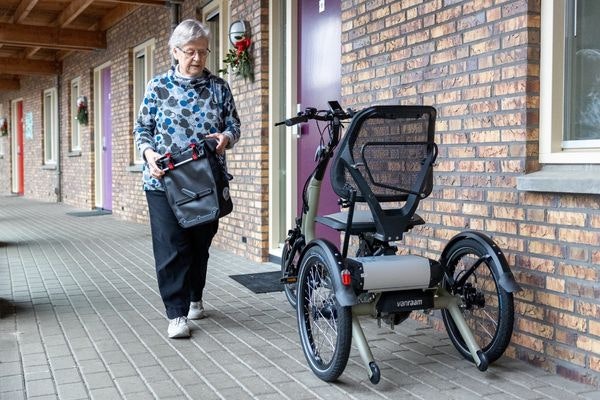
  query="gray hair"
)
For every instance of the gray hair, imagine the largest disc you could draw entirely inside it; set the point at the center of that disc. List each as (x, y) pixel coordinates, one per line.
(186, 31)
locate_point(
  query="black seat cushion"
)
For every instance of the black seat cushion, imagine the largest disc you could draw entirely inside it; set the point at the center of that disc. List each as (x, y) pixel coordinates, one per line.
(362, 221)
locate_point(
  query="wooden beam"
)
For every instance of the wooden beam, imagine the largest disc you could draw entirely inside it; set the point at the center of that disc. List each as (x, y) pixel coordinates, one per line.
(114, 16)
(142, 2)
(9, 84)
(23, 10)
(71, 12)
(54, 38)
(15, 66)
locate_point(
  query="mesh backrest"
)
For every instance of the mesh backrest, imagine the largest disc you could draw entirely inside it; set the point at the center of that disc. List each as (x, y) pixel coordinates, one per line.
(389, 146)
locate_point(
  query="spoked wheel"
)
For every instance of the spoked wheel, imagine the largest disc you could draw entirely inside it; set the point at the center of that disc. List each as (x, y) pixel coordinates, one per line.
(289, 270)
(488, 309)
(325, 326)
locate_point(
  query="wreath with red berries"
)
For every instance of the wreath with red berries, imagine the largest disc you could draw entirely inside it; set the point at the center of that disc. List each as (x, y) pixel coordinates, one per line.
(239, 59)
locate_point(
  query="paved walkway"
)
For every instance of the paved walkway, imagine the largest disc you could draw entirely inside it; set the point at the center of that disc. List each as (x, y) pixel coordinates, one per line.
(80, 317)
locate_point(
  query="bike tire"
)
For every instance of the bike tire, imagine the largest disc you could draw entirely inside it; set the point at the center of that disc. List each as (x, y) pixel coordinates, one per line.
(492, 324)
(325, 327)
(288, 288)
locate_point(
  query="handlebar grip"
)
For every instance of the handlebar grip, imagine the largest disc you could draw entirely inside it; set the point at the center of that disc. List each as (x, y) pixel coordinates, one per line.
(293, 121)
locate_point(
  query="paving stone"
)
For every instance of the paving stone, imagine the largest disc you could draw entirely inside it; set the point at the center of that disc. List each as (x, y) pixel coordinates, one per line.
(85, 320)
(11, 383)
(72, 391)
(40, 387)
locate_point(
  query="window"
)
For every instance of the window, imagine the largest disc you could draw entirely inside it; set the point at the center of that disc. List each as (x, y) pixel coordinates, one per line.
(75, 130)
(143, 70)
(50, 126)
(215, 16)
(582, 75)
(570, 82)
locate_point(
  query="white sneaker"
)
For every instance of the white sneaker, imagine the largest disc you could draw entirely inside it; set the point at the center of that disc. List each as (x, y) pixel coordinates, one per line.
(178, 328)
(196, 310)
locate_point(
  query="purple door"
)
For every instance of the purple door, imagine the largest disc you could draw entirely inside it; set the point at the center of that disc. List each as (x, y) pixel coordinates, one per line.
(319, 76)
(106, 140)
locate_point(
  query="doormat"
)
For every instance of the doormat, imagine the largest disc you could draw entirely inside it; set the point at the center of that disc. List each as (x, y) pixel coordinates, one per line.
(263, 282)
(92, 213)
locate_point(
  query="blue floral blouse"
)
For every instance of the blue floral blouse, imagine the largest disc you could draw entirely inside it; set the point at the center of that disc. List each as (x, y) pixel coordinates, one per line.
(178, 111)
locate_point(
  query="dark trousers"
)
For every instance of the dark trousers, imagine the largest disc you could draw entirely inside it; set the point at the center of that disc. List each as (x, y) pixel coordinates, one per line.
(180, 255)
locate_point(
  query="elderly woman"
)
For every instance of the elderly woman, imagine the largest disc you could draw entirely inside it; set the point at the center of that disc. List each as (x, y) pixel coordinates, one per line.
(180, 107)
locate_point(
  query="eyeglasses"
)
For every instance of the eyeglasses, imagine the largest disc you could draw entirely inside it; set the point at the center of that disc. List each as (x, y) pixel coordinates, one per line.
(191, 53)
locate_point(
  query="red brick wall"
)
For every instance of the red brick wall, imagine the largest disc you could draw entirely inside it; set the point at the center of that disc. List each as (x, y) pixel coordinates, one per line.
(78, 184)
(478, 64)
(40, 181)
(249, 161)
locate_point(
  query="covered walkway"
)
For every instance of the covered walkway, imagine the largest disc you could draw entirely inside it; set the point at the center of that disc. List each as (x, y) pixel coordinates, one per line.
(80, 317)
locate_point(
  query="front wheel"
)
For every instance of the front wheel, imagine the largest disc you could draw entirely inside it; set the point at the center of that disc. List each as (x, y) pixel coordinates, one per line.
(325, 326)
(487, 308)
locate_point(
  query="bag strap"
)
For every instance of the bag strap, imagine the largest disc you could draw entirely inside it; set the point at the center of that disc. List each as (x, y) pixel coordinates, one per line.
(211, 145)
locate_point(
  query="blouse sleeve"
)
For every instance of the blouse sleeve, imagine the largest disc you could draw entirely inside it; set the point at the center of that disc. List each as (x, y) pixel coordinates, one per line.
(230, 116)
(146, 121)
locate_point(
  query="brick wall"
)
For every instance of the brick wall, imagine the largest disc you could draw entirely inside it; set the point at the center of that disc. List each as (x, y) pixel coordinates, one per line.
(78, 184)
(39, 181)
(245, 231)
(478, 64)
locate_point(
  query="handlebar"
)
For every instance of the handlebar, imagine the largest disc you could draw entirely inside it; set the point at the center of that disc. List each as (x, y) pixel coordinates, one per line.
(319, 115)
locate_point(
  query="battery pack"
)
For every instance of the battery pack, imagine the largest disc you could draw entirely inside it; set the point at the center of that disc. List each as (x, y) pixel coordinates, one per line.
(396, 272)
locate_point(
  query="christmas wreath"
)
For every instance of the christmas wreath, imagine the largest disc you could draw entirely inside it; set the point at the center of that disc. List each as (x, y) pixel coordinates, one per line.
(3, 126)
(82, 110)
(239, 59)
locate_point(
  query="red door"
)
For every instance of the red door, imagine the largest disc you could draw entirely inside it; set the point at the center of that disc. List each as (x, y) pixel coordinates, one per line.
(319, 76)
(20, 161)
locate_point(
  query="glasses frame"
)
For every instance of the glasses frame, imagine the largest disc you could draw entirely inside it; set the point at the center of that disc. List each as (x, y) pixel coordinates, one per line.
(191, 53)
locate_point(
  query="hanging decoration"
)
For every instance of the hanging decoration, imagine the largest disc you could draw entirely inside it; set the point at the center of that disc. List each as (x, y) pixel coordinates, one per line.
(82, 110)
(3, 126)
(239, 58)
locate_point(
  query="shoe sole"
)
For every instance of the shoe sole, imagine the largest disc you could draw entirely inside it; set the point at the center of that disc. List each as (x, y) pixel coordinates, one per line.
(180, 335)
(194, 317)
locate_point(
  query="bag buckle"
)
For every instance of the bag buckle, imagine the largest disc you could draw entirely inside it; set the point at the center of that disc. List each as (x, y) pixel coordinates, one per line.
(169, 161)
(194, 151)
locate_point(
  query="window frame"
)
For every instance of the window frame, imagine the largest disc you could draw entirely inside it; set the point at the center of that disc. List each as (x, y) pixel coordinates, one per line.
(552, 91)
(220, 7)
(50, 126)
(147, 49)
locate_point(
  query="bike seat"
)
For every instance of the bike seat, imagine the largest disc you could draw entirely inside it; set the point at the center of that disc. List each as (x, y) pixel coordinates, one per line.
(386, 161)
(362, 221)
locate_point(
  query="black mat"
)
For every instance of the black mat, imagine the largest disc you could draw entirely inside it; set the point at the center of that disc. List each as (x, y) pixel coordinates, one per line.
(263, 282)
(92, 213)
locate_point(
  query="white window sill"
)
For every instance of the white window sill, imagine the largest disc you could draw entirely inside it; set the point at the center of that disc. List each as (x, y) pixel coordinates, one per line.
(583, 179)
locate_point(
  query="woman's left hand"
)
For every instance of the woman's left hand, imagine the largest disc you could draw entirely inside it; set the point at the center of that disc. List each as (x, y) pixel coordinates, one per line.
(222, 141)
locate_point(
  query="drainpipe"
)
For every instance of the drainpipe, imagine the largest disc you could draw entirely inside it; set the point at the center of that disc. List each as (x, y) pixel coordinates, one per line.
(58, 185)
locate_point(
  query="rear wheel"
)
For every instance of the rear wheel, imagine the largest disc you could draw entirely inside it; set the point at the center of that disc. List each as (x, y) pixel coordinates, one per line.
(325, 326)
(487, 308)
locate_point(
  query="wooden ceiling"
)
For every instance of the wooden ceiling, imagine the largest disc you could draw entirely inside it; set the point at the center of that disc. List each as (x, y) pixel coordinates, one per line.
(35, 35)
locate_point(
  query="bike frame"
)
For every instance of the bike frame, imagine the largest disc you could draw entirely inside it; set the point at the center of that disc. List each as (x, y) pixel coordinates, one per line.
(313, 190)
(304, 236)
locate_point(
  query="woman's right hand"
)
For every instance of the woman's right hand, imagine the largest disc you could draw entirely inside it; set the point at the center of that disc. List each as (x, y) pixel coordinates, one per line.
(151, 156)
